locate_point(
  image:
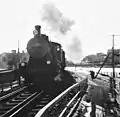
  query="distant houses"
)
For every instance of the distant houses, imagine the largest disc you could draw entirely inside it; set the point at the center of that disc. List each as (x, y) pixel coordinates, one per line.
(116, 56)
(100, 57)
(11, 60)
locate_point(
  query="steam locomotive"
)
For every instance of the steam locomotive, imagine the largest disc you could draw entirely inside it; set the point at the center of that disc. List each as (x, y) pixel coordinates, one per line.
(45, 68)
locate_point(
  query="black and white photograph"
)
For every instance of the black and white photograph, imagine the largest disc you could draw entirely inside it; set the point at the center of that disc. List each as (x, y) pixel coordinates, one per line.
(59, 58)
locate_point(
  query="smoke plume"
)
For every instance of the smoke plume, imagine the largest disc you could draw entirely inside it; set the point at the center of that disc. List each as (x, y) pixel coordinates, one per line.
(55, 19)
(74, 49)
(62, 26)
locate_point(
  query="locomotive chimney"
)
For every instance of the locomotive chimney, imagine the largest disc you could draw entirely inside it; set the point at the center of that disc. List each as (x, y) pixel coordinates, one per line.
(38, 29)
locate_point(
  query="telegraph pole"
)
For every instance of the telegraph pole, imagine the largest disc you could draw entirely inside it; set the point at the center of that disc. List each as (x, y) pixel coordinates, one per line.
(18, 62)
(19, 51)
(112, 81)
(113, 62)
(18, 47)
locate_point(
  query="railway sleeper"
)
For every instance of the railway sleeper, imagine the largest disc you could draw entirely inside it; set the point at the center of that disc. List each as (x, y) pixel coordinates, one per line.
(32, 106)
(12, 104)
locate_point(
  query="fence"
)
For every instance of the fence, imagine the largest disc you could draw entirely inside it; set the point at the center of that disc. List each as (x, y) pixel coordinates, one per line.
(9, 79)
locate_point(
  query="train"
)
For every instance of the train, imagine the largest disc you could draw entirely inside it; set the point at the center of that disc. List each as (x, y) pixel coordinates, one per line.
(46, 65)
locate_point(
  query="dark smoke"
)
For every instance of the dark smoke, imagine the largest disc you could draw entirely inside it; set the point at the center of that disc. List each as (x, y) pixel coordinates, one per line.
(55, 19)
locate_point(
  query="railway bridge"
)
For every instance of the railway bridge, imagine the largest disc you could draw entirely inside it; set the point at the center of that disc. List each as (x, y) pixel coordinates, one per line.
(18, 100)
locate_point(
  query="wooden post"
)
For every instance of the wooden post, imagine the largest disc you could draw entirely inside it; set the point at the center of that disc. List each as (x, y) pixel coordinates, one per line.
(93, 111)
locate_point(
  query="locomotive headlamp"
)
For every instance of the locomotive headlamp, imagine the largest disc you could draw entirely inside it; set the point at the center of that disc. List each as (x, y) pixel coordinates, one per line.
(58, 49)
(48, 62)
(112, 99)
(22, 64)
(35, 32)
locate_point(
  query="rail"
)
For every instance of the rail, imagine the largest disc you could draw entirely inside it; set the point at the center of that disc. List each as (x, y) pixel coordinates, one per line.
(5, 70)
(44, 112)
(11, 94)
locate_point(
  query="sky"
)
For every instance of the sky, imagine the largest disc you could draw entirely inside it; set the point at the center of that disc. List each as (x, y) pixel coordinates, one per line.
(94, 23)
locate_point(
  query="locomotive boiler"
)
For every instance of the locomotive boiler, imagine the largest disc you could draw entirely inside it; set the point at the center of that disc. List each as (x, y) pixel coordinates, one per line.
(45, 68)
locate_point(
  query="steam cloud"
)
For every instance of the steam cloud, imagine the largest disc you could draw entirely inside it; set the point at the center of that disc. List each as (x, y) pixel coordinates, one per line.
(55, 18)
(58, 23)
(74, 49)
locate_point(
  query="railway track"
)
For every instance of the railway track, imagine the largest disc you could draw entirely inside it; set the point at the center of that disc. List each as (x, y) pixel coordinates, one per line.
(66, 104)
(27, 103)
(22, 103)
(10, 101)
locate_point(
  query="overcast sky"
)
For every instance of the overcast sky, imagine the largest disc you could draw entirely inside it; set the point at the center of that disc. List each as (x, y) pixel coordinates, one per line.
(95, 21)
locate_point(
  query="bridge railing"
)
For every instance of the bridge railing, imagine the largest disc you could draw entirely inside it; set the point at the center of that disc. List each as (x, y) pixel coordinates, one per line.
(44, 112)
(8, 79)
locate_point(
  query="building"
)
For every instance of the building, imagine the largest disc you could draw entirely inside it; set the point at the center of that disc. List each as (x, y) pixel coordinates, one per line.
(116, 56)
(13, 51)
